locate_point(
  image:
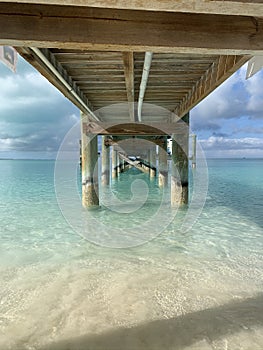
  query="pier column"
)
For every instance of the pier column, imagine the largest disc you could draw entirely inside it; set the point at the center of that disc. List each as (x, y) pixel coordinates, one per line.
(149, 161)
(122, 165)
(89, 152)
(105, 161)
(118, 164)
(179, 167)
(114, 171)
(152, 161)
(194, 151)
(163, 168)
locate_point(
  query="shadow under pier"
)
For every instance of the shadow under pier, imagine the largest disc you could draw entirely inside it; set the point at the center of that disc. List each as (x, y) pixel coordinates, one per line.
(175, 333)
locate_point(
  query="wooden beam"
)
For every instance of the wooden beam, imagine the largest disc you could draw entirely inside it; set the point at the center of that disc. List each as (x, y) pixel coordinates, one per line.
(135, 164)
(218, 72)
(128, 63)
(121, 30)
(229, 7)
(136, 145)
(46, 71)
(135, 128)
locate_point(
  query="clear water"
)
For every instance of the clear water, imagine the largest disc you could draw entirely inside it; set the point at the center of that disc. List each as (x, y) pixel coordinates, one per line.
(201, 289)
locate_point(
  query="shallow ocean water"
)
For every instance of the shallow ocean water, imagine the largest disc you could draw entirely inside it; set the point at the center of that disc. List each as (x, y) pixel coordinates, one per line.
(200, 289)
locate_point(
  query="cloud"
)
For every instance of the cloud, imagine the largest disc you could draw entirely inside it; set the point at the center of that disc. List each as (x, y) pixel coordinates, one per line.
(34, 116)
(248, 130)
(230, 144)
(220, 134)
(232, 147)
(255, 103)
(38, 136)
(226, 102)
(236, 98)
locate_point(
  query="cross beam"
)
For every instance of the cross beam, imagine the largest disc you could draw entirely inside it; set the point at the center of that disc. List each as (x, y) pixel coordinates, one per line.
(121, 30)
(229, 7)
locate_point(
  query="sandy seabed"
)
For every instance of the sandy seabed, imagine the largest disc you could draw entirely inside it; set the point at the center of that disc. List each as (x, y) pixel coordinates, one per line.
(144, 303)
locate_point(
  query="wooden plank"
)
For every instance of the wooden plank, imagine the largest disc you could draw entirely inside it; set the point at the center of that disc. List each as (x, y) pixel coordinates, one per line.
(230, 7)
(168, 87)
(57, 51)
(164, 128)
(128, 63)
(121, 30)
(98, 78)
(218, 72)
(191, 69)
(107, 90)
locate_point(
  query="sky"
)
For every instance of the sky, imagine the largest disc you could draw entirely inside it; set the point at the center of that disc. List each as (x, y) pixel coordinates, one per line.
(35, 117)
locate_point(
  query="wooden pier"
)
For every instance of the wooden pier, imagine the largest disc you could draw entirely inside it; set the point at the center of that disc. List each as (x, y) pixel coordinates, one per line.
(151, 61)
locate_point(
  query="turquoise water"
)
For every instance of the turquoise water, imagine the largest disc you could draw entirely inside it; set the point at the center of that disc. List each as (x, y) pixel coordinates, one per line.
(195, 289)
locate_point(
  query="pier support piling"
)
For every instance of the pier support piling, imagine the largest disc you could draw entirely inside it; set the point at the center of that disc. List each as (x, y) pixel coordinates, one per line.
(105, 162)
(89, 151)
(118, 164)
(163, 168)
(122, 165)
(152, 162)
(114, 160)
(179, 168)
(148, 160)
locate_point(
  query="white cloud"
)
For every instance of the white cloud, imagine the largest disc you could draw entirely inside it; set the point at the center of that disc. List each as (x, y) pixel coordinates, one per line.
(227, 147)
(33, 114)
(235, 98)
(255, 103)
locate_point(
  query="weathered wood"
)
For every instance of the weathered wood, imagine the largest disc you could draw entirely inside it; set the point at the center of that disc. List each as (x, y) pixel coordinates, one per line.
(162, 163)
(118, 164)
(135, 128)
(114, 165)
(89, 165)
(105, 162)
(151, 142)
(229, 7)
(153, 162)
(122, 165)
(179, 169)
(145, 162)
(175, 81)
(121, 30)
(128, 63)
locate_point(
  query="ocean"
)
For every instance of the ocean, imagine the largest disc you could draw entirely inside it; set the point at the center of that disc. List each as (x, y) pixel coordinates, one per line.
(165, 287)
